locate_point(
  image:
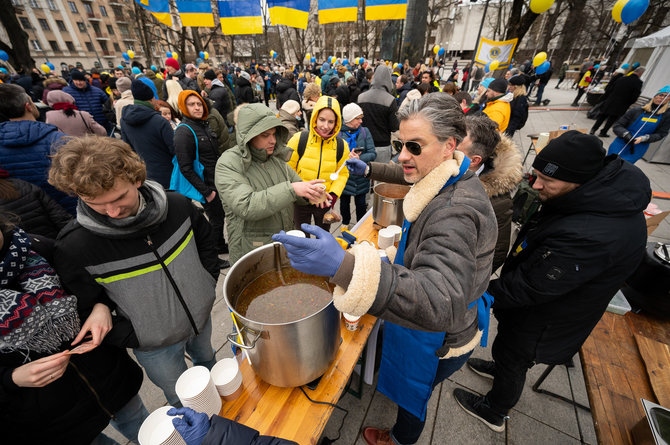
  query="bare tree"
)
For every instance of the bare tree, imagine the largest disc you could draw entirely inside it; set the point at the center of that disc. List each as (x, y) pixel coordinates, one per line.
(518, 24)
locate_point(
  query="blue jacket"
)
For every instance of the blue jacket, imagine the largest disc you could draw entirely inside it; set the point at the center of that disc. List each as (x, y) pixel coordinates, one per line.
(357, 185)
(25, 147)
(90, 99)
(224, 431)
(151, 137)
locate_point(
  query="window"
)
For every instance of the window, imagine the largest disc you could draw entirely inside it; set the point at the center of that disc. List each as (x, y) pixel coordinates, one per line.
(61, 25)
(44, 24)
(34, 4)
(73, 7)
(88, 8)
(117, 48)
(25, 23)
(118, 13)
(130, 48)
(54, 46)
(103, 11)
(89, 46)
(110, 30)
(103, 45)
(96, 27)
(52, 5)
(36, 45)
(81, 26)
(70, 46)
(124, 30)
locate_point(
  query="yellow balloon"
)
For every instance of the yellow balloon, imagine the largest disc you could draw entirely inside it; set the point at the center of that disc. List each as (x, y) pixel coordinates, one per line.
(206, 55)
(44, 67)
(539, 6)
(616, 10)
(308, 56)
(539, 58)
(494, 65)
(395, 65)
(436, 48)
(131, 53)
(174, 56)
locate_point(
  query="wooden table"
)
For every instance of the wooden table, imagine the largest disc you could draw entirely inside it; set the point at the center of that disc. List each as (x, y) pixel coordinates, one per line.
(615, 374)
(286, 412)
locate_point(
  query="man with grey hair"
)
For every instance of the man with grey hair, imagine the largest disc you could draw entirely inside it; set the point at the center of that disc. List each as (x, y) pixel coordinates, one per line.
(622, 95)
(430, 295)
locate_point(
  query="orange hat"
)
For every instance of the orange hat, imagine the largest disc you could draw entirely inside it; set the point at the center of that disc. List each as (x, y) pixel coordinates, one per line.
(181, 101)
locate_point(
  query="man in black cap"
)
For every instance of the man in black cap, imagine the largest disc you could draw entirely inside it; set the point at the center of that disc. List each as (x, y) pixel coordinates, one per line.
(218, 93)
(88, 98)
(497, 105)
(564, 267)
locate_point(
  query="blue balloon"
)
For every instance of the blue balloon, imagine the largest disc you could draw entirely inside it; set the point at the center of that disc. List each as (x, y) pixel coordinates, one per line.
(168, 54)
(274, 55)
(440, 51)
(4, 56)
(543, 67)
(153, 68)
(313, 59)
(201, 54)
(3, 70)
(345, 62)
(126, 56)
(51, 66)
(633, 10)
(136, 70)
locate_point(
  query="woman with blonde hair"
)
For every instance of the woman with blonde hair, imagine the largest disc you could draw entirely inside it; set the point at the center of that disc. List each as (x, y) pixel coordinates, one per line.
(518, 106)
(641, 126)
(173, 89)
(310, 96)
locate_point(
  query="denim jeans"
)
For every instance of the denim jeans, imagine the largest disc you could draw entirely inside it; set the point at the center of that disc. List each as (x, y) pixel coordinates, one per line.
(345, 207)
(540, 91)
(127, 421)
(164, 366)
(408, 427)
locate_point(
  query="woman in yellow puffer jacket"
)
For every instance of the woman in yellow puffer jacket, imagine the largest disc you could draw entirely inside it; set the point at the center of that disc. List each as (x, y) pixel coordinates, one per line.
(320, 159)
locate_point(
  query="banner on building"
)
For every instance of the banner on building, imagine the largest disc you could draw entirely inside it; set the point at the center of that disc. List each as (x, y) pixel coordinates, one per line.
(293, 13)
(196, 13)
(490, 50)
(240, 17)
(159, 9)
(385, 9)
(332, 11)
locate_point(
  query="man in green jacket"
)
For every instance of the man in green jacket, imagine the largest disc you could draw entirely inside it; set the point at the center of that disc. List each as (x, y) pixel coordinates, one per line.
(256, 185)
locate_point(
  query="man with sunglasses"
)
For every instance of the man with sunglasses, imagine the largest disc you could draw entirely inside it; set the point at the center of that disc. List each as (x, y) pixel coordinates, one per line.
(429, 297)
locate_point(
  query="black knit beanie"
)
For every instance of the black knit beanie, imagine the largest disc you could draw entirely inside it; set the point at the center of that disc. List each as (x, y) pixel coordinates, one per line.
(572, 157)
(499, 86)
(210, 75)
(141, 91)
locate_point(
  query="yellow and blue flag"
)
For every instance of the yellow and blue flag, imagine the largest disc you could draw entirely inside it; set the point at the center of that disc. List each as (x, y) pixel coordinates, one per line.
(332, 11)
(385, 9)
(159, 9)
(195, 13)
(240, 17)
(293, 13)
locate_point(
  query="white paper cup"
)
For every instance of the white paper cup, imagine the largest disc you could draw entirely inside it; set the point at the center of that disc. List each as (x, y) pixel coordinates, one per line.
(298, 233)
(396, 230)
(227, 376)
(385, 238)
(323, 194)
(351, 321)
(197, 391)
(157, 429)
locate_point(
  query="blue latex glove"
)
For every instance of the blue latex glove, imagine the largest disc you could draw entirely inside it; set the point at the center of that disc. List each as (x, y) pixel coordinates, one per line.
(321, 256)
(193, 426)
(356, 166)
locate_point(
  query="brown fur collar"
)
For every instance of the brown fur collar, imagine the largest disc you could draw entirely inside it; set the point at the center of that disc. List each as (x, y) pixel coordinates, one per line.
(58, 80)
(507, 170)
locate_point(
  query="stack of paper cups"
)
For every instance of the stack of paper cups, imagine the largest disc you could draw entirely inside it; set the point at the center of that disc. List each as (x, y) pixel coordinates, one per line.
(197, 391)
(396, 231)
(385, 238)
(157, 429)
(227, 378)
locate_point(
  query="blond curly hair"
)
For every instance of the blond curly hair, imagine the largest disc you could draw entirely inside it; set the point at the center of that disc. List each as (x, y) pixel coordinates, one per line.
(89, 166)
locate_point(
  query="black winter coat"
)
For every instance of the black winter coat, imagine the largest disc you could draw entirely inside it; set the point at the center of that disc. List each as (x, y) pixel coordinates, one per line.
(224, 431)
(184, 144)
(219, 94)
(151, 136)
(38, 213)
(244, 94)
(286, 91)
(621, 126)
(568, 262)
(402, 92)
(75, 408)
(624, 93)
(518, 114)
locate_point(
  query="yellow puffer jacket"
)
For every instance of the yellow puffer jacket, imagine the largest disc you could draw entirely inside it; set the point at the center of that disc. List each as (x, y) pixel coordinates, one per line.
(320, 158)
(499, 112)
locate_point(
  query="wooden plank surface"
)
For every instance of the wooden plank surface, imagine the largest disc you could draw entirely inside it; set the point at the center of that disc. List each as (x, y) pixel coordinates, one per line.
(656, 357)
(615, 375)
(286, 412)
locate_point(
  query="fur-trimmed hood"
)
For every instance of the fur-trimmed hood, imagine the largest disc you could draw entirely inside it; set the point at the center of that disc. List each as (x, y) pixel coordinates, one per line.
(52, 81)
(506, 170)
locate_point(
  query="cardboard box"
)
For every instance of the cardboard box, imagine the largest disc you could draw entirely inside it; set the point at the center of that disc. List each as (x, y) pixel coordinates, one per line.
(654, 221)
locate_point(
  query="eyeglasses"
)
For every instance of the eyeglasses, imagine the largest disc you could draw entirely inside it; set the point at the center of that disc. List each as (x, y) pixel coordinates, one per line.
(413, 147)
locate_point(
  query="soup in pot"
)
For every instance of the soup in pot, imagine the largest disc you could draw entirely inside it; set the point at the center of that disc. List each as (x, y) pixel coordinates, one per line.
(269, 299)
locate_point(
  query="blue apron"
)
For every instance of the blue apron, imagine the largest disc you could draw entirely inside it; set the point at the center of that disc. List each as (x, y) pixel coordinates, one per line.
(409, 362)
(649, 123)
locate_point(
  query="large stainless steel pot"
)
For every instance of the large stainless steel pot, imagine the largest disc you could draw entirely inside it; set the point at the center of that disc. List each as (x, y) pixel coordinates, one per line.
(282, 354)
(387, 203)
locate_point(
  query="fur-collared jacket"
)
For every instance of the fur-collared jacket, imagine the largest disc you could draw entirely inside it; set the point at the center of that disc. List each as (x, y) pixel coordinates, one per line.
(448, 258)
(502, 174)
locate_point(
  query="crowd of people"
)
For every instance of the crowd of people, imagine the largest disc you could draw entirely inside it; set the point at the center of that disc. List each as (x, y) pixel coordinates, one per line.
(122, 191)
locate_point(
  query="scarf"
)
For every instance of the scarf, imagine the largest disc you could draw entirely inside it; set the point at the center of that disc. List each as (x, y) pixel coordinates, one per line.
(324, 136)
(64, 106)
(144, 102)
(352, 137)
(155, 212)
(35, 312)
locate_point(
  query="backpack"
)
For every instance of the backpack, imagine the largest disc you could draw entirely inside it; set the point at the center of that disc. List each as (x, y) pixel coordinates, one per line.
(526, 201)
(302, 146)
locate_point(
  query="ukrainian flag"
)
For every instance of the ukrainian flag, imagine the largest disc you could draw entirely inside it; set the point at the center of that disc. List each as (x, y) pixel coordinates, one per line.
(159, 9)
(293, 13)
(331, 11)
(240, 17)
(385, 9)
(195, 13)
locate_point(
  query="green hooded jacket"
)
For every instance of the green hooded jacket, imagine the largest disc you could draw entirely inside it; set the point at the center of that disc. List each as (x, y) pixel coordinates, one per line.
(254, 187)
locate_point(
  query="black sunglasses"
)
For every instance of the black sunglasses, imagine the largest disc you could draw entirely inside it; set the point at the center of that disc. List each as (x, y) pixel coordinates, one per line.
(413, 147)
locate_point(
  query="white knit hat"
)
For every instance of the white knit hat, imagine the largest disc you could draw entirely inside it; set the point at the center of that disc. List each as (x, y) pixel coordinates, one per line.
(351, 112)
(291, 106)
